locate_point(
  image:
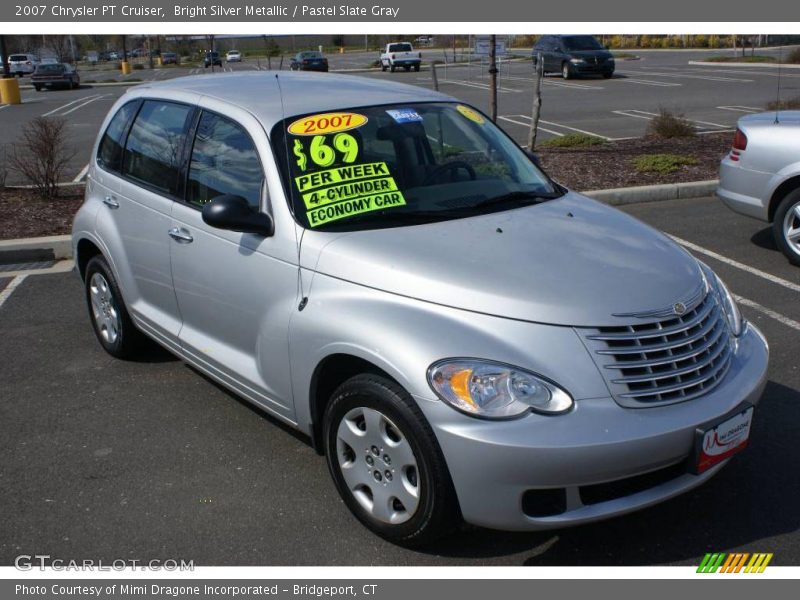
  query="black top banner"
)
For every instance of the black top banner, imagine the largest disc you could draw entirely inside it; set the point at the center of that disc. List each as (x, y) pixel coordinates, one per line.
(370, 11)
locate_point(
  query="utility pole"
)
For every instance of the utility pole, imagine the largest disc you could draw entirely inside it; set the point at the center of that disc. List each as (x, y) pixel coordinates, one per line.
(4, 53)
(493, 77)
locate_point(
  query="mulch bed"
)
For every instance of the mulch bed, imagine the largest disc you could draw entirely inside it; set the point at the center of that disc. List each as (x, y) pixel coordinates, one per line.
(23, 214)
(609, 165)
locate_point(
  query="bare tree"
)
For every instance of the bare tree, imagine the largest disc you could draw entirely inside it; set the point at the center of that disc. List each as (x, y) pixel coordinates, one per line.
(59, 44)
(41, 154)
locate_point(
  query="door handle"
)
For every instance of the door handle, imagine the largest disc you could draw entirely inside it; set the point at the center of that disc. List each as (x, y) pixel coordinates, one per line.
(111, 202)
(180, 235)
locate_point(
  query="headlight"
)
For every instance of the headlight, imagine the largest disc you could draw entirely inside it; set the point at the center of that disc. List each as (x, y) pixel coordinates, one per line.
(726, 300)
(494, 390)
(576, 60)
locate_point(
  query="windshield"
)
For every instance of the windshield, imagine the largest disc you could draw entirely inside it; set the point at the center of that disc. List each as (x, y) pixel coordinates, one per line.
(400, 48)
(581, 42)
(385, 166)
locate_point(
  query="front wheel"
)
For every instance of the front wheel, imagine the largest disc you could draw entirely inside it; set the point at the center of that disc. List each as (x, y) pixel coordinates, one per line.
(386, 462)
(786, 227)
(566, 72)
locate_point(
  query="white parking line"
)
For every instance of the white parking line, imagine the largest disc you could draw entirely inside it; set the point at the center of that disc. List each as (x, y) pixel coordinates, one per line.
(2, 106)
(79, 106)
(643, 114)
(480, 86)
(744, 109)
(55, 110)
(510, 120)
(736, 264)
(82, 174)
(12, 285)
(769, 312)
(686, 76)
(649, 82)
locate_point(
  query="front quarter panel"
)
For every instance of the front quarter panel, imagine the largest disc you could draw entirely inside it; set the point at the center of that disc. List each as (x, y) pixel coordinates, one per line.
(403, 337)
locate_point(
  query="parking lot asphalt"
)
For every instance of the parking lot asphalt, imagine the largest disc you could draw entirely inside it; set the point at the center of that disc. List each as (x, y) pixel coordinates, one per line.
(713, 98)
(107, 459)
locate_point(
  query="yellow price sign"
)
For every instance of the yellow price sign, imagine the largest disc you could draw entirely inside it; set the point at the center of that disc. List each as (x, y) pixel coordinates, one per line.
(327, 123)
(471, 114)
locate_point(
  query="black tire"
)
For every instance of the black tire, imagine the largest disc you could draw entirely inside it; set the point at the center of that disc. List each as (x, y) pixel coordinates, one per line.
(129, 341)
(392, 68)
(566, 71)
(383, 67)
(416, 68)
(608, 75)
(437, 511)
(38, 88)
(791, 202)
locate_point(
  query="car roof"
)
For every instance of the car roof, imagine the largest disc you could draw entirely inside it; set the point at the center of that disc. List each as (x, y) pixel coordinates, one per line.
(303, 93)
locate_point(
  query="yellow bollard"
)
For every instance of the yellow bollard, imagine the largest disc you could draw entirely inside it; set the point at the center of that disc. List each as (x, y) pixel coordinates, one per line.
(126, 67)
(159, 63)
(9, 91)
(341, 49)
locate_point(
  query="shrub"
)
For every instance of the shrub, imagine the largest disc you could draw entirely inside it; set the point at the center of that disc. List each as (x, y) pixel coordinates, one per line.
(670, 125)
(794, 56)
(663, 164)
(786, 104)
(573, 140)
(41, 154)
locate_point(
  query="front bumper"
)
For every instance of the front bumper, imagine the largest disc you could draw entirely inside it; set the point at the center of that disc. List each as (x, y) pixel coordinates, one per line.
(494, 463)
(592, 68)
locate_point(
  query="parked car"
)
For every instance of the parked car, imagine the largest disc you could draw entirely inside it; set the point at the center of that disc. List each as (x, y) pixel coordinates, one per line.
(169, 58)
(21, 65)
(212, 58)
(55, 75)
(760, 176)
(458, 334)
(400, 54)
(233, 56)
(573, 55)
(309, 60)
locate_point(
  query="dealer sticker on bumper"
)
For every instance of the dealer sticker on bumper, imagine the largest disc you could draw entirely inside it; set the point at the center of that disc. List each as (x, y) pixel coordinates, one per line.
(722, 440)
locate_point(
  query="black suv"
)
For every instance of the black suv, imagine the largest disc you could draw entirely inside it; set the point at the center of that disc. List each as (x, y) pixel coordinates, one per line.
(573, 55)
(212, 58)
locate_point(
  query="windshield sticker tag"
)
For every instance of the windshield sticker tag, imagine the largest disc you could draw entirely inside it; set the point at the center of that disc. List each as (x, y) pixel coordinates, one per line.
(404, 115)
(471, 114)
(327, 123)
(347, 191)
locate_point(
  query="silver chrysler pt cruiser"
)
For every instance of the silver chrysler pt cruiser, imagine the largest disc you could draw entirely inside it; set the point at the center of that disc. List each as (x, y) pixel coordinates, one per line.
(384, 269)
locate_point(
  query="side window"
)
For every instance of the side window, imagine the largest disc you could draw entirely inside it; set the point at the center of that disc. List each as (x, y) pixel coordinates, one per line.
(109, 153)
(224, 161)
(155, 144)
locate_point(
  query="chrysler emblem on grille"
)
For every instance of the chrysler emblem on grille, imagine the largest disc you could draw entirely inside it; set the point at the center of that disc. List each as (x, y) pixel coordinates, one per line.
(679, 308)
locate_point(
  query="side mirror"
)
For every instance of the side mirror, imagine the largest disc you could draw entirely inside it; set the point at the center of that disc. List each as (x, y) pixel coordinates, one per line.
(534, 158)
(234, 213)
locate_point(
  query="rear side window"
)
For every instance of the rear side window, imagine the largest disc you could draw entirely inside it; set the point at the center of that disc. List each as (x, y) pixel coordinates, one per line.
(18, 57)
(109, 154)
(224, 161)
(155, 145)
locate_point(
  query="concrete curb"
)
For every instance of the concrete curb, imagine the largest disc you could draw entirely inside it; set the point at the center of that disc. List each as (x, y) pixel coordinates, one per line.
(60, 246)
(35, 249)
(654, 193)
(705, 63)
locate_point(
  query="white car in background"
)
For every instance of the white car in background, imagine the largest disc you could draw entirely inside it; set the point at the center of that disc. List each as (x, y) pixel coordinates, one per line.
(22, 64)
(233, 56)
(760, 176)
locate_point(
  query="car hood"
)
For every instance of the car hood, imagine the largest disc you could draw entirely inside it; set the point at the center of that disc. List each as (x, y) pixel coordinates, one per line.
(569, 261)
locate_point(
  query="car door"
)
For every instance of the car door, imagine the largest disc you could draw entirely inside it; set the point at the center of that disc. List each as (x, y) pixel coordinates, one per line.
(151, 169)
(235, 291)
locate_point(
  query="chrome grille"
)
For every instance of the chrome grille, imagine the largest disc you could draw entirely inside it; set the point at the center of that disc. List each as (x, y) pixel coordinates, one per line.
(665, 361)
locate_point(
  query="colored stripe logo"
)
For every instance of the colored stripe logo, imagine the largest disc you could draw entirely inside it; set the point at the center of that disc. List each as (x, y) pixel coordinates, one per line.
(736, 562)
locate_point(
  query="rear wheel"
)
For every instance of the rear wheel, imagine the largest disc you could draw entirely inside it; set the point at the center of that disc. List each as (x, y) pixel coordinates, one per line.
(110, 319)
(786, 227)
(392, 68)
(566, 71)
(386, 462)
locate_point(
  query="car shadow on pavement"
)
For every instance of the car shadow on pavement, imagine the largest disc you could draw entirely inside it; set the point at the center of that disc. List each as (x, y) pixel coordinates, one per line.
(747, 505)
(763, 238)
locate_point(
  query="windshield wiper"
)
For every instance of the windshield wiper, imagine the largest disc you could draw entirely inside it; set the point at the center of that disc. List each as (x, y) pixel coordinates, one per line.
(511, 197)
